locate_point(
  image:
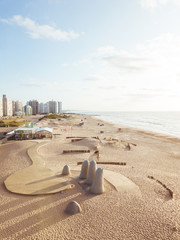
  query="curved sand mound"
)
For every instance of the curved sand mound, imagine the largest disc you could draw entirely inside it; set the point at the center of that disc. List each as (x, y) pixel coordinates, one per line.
(52, 148)
(37, 179)
(56, 147)
(121, 183)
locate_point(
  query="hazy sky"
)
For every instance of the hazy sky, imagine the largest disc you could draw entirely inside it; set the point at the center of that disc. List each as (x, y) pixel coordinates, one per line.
(112, 55)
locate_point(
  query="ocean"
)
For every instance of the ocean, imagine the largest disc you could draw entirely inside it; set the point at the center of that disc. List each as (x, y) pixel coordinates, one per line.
(160, 122)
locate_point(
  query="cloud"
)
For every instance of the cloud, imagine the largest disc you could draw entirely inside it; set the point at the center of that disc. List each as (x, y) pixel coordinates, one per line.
(144, 78)
(127, 62)
(37, 31)
(158, 56)
(155, 3)
(94, 78)
(123, 61)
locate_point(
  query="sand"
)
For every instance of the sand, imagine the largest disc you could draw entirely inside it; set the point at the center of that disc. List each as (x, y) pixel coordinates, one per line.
(153, 166)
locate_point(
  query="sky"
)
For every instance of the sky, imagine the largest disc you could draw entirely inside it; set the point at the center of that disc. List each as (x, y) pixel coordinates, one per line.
(93, 55)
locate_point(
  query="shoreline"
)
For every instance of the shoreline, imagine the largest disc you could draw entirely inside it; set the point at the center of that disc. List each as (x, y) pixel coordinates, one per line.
(141, 131)
(101, 117)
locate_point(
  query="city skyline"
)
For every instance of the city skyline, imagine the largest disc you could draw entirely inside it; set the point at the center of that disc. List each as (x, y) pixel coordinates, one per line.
(9, 107)
(108, 55)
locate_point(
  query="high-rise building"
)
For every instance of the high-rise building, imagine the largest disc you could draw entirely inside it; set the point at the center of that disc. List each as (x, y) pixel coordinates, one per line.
(41, 108)
(46, 107)
(18, 106)
(4, 105)
(1, 107)
(59, 107)
(7, 106)
(53, 107)
(28, 110)
(13, 108)
(35, 106)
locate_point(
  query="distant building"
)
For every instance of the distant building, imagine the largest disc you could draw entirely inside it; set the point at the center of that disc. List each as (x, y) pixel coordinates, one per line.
(4, 105)
(59, 107)
(28, 110)
(41, 108)
(18, 106)
(13, 108)
(53, 107)
(46, 107)
(7, 106)
(35, 106)
(1, 107)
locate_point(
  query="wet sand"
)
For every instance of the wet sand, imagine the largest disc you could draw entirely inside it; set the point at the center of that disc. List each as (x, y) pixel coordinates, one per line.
(152, 163)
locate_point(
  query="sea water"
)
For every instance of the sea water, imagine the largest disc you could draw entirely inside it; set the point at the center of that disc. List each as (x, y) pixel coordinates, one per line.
(160, 122)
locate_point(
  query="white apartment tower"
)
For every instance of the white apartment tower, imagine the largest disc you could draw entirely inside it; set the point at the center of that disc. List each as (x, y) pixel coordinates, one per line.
(41, 108)
(18, 106)
(53, 107)
(46, 107)
(59, 107)
(7, 106)
(28, 110)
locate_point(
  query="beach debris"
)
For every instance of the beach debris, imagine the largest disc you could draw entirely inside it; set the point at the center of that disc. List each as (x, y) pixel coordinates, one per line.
(97, 139)
(76, 151)
(73, 207)
(126, 143)
(76, 139)
(112, 142)
(84, 170)
(66, 170)
(107, 163)
(127, 147)
(162, 184)
(115, 139)
(98, 184)
(101, 131)
(97, 153)
(91, 172)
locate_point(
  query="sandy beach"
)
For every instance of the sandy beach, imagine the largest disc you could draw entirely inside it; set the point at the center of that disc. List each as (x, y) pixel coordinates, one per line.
(152, 164)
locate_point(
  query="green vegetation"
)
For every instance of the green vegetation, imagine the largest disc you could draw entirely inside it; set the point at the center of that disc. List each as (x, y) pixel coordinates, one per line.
(14, 122)
(56, 116)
